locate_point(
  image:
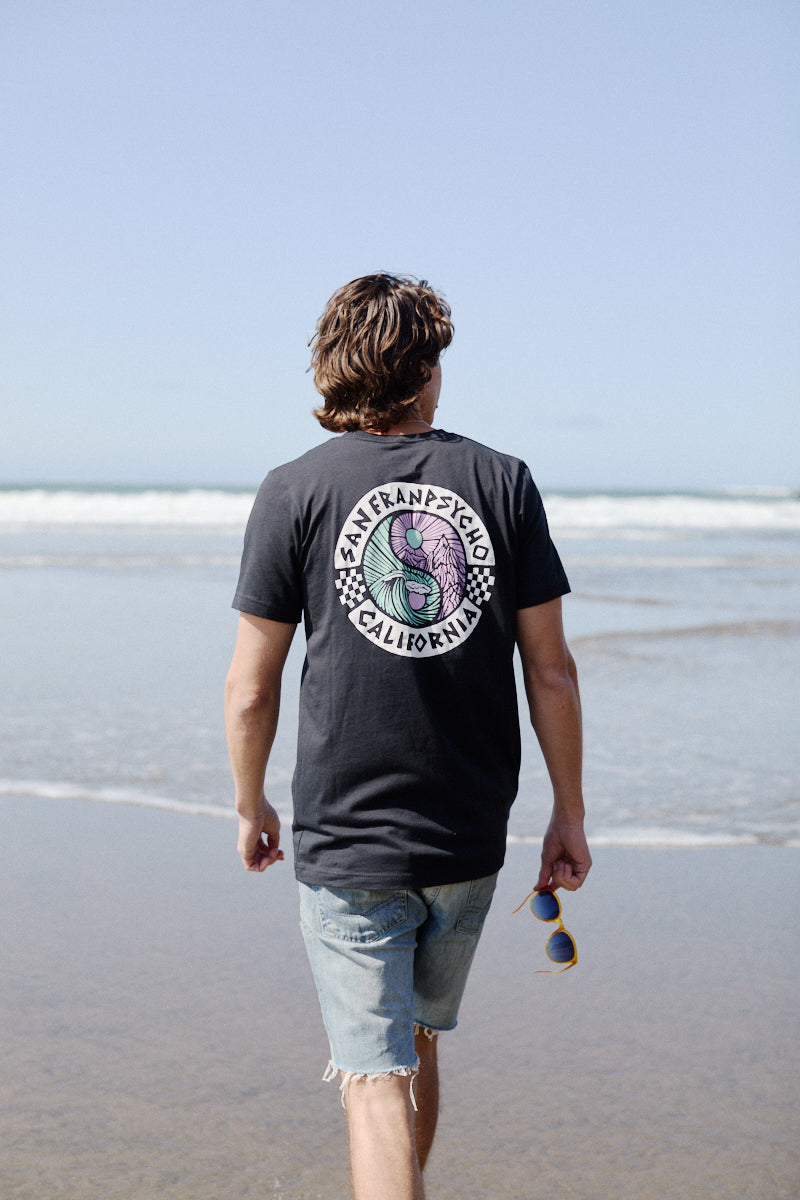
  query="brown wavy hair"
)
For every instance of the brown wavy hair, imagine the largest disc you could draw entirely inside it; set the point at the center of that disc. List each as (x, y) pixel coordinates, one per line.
(374, 349)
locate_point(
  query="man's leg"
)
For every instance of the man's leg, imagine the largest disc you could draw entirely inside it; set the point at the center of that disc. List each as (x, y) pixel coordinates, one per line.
(368, 951)
(383, 1158)
(361, 946)
(426, 1090)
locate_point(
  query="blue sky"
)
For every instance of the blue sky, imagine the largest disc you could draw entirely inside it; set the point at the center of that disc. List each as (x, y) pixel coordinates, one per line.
(607, 193)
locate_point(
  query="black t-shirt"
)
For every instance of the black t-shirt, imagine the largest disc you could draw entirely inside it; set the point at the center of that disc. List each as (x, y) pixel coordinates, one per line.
(407, 558)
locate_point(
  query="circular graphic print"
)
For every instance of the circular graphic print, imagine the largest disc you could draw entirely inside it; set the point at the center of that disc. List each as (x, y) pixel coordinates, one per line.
(414, 567)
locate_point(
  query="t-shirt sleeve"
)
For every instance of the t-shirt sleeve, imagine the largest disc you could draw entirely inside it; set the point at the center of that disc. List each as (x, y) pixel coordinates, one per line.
(270, 582)
(540, 575)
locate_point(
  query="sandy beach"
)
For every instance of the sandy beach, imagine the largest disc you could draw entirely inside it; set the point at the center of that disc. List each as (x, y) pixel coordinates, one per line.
(162, 1037)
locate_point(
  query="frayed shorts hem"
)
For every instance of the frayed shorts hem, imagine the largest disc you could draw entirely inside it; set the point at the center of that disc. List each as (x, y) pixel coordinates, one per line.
(331, 1071)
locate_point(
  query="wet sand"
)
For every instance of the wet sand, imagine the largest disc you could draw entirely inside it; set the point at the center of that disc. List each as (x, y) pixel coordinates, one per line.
(161, 1036)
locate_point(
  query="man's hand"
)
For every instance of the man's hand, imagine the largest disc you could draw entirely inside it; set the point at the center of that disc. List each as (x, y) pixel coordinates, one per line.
(256, 854)
(565, 857)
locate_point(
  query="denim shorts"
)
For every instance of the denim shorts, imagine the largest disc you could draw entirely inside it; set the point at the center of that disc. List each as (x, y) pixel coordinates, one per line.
(387, 961)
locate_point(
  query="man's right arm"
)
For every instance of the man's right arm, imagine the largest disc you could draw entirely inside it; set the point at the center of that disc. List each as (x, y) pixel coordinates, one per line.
(551, 685)
(252, 704)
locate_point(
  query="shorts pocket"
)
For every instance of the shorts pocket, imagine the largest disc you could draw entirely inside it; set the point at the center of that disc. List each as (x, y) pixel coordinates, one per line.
(478, 904)
(359, 915)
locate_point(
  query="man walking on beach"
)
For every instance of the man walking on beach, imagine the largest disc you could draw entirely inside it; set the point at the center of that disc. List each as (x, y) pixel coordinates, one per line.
(418, 560)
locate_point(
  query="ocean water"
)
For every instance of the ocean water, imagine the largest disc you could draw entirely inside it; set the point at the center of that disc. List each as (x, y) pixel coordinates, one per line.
(116, 632)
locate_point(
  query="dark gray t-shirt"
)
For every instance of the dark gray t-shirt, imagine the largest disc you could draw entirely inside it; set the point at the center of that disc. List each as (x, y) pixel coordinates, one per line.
(407, 557)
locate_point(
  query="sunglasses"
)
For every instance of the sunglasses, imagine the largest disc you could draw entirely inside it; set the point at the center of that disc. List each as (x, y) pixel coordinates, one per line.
(560, 945)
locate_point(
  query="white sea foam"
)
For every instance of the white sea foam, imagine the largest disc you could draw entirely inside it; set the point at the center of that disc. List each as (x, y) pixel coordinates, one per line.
(195, 507)
(654, 837)
(637, 515)
(66, 790)
(134, 561)
(57, 790)
(657, 835)
(671, 512)
(632, 836)
(681, 562)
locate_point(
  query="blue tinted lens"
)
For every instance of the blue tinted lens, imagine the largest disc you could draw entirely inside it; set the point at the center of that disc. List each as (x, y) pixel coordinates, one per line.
(560, 947)
(545, 906)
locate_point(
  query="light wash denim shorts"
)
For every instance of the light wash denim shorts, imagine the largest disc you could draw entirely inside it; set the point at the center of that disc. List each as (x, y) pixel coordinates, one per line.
(385, 962)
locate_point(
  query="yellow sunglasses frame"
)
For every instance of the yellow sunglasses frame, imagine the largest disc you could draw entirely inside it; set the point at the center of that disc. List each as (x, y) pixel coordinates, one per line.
(532, 896)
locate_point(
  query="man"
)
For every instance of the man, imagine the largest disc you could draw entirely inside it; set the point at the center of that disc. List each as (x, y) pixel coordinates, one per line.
(417, 560)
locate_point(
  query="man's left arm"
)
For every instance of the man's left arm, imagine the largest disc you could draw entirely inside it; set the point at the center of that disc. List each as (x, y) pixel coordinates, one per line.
(551, 684)
(252, 704)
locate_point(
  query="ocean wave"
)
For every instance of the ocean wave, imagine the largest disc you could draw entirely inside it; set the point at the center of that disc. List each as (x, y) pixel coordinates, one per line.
(57, 790)
(682, 562)
(656, 837)
(136, 561)
(770, 627)
(569, 514)
(671, 512)
(632, 836)
(194, 507)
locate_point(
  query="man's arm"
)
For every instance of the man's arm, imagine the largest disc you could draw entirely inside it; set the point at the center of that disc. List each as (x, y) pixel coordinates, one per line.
(252, 703)
(551, 685)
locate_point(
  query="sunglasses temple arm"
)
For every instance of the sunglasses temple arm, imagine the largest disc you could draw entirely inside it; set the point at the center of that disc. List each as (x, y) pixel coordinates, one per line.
(525, 901)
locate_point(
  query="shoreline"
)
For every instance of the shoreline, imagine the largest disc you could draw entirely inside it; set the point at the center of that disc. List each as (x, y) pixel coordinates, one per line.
(635, 837)
(164, 1037)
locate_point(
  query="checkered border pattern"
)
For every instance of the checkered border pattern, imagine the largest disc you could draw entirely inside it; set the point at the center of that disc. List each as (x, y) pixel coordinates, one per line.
(480, 582)
(351, 585)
